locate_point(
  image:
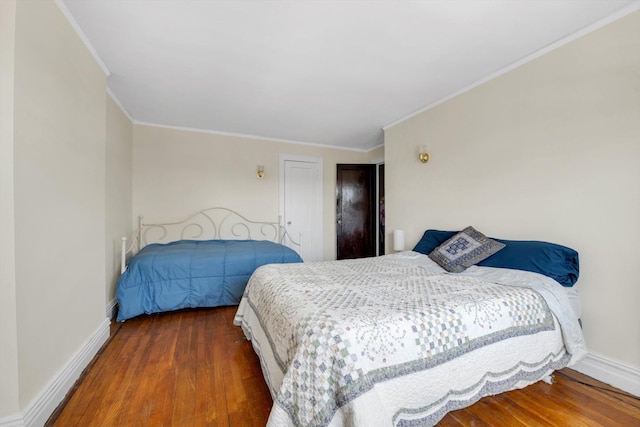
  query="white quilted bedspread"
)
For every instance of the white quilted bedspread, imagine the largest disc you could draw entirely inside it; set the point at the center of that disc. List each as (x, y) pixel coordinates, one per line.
(392, 340)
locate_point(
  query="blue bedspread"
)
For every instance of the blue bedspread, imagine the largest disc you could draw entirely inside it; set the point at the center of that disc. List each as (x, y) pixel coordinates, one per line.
(193, 273)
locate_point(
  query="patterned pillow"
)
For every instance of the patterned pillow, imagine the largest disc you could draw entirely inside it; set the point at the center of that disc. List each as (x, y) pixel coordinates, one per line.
(465, 249)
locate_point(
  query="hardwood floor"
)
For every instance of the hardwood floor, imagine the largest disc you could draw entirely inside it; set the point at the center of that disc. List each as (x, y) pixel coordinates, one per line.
(195, 368)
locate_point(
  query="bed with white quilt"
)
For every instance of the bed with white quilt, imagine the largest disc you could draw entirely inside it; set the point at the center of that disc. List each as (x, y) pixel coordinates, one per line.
(398, 340)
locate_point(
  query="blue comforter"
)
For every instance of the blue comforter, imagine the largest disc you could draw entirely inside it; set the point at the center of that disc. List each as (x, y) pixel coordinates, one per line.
(193, 273)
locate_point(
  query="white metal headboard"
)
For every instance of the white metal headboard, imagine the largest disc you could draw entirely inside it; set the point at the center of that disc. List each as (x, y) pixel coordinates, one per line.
(208, 224)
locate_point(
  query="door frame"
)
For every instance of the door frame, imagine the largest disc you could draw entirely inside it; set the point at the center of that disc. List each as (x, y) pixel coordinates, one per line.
(282, 158)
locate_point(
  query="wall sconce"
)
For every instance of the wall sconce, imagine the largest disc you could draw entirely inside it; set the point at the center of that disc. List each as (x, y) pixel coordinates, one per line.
(398, 240)
(260, 171)
(422, 154)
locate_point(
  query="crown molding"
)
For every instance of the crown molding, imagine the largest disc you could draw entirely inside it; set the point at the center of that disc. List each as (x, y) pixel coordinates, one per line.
(553, 46)
(247, 136)
(76, 27)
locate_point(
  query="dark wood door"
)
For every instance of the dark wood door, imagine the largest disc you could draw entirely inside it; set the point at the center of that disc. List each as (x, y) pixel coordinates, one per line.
(356, 214)
(381, 218)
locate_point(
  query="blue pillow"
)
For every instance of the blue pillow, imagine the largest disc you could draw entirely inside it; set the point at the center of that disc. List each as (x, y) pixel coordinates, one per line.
(552, 260)
(431, 239)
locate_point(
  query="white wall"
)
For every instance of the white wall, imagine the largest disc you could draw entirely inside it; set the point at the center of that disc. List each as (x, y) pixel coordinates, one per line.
(9, 400)
(548, 151)
(178, 172)
(119, 159)
(60, 104)
(65, 178)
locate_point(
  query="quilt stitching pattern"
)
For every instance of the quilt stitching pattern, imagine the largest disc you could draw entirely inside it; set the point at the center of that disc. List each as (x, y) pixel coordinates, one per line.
(346, 326)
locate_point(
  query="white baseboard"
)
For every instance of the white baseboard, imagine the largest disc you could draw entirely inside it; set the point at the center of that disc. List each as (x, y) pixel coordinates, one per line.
(38, 411)
(610, 371)
(12, 421)
(111, 308)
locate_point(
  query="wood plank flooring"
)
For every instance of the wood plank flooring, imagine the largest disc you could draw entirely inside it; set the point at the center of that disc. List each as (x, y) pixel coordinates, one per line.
(195, 368)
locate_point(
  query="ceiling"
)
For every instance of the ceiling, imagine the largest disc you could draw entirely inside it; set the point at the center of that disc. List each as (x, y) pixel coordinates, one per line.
(320, 72)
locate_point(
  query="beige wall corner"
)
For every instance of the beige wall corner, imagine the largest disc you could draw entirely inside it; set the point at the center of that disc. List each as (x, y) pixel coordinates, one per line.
(119, 158)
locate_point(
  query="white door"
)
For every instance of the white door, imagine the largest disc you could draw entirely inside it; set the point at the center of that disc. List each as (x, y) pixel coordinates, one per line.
(301, 204)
